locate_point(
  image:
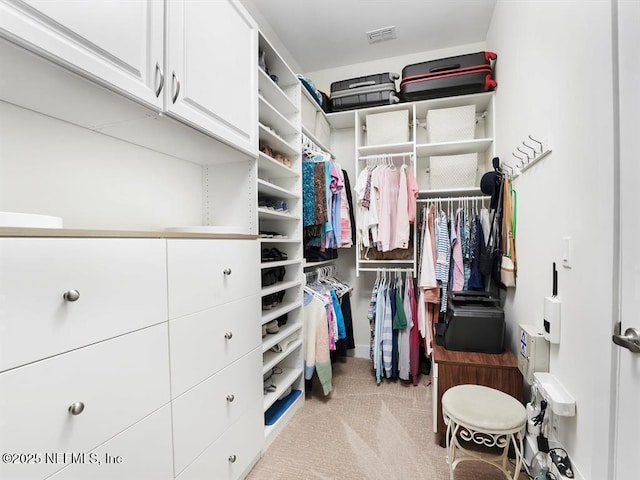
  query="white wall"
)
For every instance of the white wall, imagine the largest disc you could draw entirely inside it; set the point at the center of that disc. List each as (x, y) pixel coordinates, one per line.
(51, 167)
(555, 78)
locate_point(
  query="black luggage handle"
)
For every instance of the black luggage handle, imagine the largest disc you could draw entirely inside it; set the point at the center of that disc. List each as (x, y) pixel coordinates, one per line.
(362, 84)
(444, 67)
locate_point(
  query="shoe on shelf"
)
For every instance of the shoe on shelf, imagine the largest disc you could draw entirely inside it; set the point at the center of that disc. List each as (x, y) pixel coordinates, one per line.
(273, 255)
(283, 160)
(265, 234)
(281, 206)
(264, 331)
(267, 150)
(272, 326)
(282, 320)
(279, 254)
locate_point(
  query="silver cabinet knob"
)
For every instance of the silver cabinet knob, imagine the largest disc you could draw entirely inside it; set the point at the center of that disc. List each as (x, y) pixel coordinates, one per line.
(228, 335)
(76, 408)
(227, 271)
(232, 459)
(71, 295)
(231, 397)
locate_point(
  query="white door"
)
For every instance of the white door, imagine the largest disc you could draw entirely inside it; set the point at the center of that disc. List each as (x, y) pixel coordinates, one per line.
(628, 394)
(116, 42)
(212, 70)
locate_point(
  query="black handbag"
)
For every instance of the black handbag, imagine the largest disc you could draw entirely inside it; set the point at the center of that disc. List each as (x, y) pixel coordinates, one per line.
(490, 256)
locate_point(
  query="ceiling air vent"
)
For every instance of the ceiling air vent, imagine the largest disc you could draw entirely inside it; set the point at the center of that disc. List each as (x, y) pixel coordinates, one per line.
(381, 34)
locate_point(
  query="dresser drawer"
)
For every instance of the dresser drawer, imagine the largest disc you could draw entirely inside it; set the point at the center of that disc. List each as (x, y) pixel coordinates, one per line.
(233, 454)
(141, 452)
(121, 285)
(119, 381)
(203, 413)
(207, 273)
(205, 342)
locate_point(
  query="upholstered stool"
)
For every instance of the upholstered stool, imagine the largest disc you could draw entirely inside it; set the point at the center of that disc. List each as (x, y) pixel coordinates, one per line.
(487, 417)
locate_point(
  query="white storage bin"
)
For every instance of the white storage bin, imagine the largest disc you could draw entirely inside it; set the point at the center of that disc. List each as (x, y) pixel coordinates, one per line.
(451, 124)
(308, 113)
(453, 171)
(323, 130)
(388, 127)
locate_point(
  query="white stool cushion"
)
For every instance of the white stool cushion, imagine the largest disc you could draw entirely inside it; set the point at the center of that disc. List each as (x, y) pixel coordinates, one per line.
(483, 408)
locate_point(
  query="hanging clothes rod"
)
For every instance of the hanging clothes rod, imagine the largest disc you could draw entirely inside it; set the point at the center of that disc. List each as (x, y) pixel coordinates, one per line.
(408, 270)
(386, 155)
(453, 199)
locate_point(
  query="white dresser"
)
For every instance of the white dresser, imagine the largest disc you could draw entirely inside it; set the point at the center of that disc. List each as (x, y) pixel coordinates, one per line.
(129, 358)
(216, 359)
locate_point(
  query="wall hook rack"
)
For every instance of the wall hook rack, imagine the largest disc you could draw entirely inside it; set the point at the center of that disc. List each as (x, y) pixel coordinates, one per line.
(539, 150)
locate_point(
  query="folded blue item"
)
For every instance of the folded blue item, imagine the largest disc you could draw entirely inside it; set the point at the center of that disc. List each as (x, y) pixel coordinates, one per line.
(275, 411)
(311, 88)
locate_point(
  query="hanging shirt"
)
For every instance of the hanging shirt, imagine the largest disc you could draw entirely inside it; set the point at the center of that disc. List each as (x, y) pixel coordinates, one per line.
(444, 258)
(387, 334)
(345, 214)
(308, 195)
(402, 227)
(457, 282)
(387, 221)
(404, 335)
(317, 356)
(380, 311)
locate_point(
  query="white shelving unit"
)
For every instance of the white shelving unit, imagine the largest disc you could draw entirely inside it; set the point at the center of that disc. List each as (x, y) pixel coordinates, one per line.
(279, 128)
(482, 144)
(419, 151)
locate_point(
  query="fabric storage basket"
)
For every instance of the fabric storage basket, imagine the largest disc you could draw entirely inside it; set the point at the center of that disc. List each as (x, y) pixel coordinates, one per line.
(322, 130)
(451, 124)
(453, 171)
(388, 127)
(308, 113)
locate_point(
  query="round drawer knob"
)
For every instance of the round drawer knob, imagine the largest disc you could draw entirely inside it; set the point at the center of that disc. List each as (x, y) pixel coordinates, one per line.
(227, 271)
(232, 459)
(231, 397)
(71, 295)
(228, 335)
(76, 408)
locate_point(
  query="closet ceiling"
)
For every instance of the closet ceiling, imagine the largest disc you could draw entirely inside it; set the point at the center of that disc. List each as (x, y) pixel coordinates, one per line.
(322, 34)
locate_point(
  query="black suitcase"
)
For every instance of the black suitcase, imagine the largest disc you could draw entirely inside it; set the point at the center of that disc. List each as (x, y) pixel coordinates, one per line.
(369, 91)
(459, 75)
(473, 327)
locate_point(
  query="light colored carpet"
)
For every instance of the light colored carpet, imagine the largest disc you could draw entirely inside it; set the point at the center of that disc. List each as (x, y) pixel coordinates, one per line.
(363, 431)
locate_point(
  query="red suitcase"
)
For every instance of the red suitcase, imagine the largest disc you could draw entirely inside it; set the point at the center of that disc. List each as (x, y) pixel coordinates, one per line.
(446, 77)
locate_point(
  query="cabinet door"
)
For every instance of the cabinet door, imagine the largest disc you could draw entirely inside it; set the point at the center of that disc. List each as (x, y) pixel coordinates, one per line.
(211, 70)
(206, 273)
(141, 452)
(231, 456)
(116, 42)
(203, 413)
(207, 341)
(118, 382)
(59, 294)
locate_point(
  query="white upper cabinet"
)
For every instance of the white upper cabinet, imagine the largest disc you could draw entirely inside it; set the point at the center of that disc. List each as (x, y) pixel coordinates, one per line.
(117, 43)
(212, 53)
(193, 60)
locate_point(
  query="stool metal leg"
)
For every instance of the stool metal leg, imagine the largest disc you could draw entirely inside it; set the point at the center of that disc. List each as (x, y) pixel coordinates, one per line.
(516, 439)
(450, 444)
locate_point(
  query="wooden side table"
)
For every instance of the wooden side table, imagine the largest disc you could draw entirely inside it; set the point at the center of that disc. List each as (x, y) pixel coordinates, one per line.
(451, 368)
